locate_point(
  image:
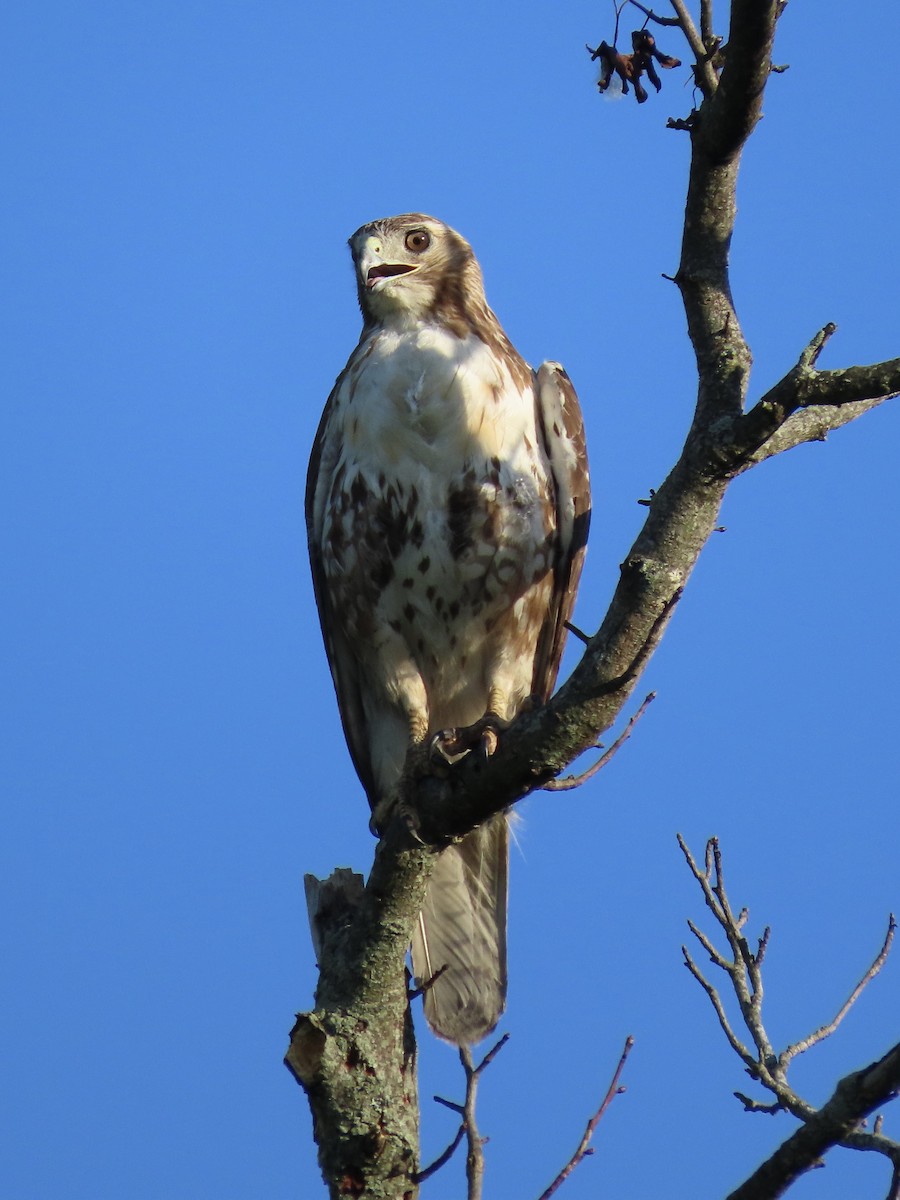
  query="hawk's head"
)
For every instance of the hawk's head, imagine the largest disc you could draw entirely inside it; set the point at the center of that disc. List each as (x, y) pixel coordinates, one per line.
(415, 268)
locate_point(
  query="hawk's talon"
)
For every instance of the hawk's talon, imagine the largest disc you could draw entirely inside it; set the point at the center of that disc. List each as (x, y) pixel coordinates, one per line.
(389, 809)
(442, 748)
(488, 742)
(378, 820)
(450, 745)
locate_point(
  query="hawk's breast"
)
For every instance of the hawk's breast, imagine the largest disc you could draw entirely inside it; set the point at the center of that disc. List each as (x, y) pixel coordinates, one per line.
(439, 515)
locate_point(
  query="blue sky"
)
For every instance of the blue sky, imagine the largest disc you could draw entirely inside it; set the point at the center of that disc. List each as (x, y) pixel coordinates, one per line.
(179, 301)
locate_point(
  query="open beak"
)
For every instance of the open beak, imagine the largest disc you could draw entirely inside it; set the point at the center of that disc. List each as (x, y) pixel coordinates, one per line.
(385, 271)
(373, 269)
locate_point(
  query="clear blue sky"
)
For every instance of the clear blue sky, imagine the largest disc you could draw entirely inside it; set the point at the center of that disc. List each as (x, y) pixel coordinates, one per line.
(181, 181)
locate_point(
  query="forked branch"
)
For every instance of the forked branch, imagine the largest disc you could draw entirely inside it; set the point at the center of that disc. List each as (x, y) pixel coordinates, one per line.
(838, 1122)
(468, 1128)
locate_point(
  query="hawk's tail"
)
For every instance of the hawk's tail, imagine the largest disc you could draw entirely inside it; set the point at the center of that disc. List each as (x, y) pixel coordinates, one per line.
(463, 926)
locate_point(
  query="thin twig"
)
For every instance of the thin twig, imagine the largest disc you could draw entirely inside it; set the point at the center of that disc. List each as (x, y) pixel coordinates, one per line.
(715, 999)
(574, 781)
(491, 1055)
(475, 1153)
(751, 1105)
(584, 1145)
(652, 16)
(475, 1158)
(442, 1159)
(618, 8)
(579, 633)
(714, 955)
(704, 877)
(810, 355)
(762, 945)
(743, 970)
(825, 1031)
(415, 992)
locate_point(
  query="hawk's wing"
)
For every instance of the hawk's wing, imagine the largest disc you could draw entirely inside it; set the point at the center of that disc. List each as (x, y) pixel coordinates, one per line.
(342, 661)
(562, 427)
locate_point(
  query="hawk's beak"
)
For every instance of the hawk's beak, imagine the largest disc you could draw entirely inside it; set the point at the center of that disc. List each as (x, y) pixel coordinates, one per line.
(373, 268)
(385, 271)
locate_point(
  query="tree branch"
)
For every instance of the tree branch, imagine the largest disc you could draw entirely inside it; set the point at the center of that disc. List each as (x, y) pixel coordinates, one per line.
(467, 1128)
(706, 24)
(574, 781)
(475, 1155)
(825, 1031)
(583, 1147)
(736, 106)
(652, 16)
(703, 71)
(838, 1122)
(857, 1095)
(808, 404)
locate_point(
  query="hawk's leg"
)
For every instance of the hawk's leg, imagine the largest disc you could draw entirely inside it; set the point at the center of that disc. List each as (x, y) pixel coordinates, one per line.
(393, 802)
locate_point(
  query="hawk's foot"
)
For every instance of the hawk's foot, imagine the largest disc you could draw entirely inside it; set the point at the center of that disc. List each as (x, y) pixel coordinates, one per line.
(419, 762)
(450, 745)
(390, 808)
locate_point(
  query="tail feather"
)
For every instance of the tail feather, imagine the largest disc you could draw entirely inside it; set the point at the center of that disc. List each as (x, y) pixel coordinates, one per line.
(463, 926)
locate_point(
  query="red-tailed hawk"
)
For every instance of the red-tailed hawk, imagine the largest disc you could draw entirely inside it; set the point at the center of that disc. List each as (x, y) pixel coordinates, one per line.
(447, 506)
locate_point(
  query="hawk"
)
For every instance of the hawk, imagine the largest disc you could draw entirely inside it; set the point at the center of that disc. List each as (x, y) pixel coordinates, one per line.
(447, 508)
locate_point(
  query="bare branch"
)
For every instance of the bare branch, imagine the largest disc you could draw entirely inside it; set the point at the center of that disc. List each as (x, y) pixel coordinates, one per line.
(574, 781)
(583, 1146)
(827, 1030)
(811, 425)
(745, 976)
(467, 1128)
(475, 1154)
(704, 877)
(715, 999)
(414, 993)
(652, 16)
(442, 1159)
(491, 1055)
(857, 1095)
(579, 633)
(714, 955)
(706, 24)
(737, 104)
(807, 404)
(703, 72)
(751, 1105)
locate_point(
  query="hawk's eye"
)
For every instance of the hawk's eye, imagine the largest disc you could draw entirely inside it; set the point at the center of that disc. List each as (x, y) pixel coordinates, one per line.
(418, 240)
